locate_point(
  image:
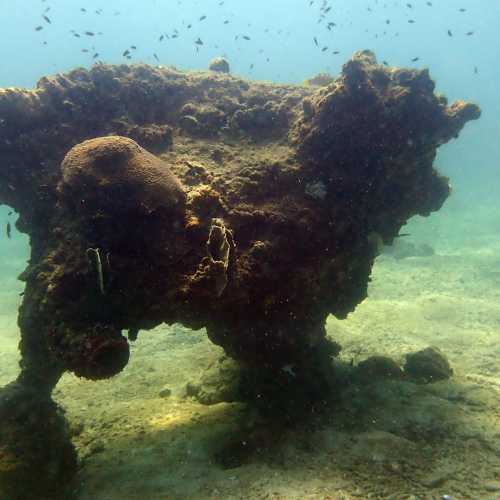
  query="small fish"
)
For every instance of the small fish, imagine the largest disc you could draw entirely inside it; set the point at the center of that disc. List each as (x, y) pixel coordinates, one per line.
(47, 20)
(316, 41)
(38, 28)
(324, 49)
(415, 59)
(95, 56)
(126, 53)
(245, 37)
(156, 57)
(83, 9)
(450, 33)
(202, 18)
(199, 42)
(8, 230)
(90, 33)
(226, 22)
(469, 33)
(475, 70)
(411, 21)
(133, 47)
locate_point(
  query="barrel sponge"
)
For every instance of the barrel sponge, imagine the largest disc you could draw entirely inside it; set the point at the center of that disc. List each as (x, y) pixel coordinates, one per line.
(113, 174)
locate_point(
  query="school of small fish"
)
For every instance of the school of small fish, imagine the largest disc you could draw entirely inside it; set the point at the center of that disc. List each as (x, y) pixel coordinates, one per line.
(327, 39)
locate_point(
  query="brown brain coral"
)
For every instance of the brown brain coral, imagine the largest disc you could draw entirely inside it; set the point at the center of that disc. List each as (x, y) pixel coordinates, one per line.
(114, 173)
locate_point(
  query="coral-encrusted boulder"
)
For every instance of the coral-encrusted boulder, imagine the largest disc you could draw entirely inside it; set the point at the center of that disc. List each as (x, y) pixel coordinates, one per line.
(285, 194)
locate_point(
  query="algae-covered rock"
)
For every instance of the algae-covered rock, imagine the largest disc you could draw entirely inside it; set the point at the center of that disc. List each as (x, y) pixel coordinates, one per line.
(377, 367)
(428, 365)
(219, 383)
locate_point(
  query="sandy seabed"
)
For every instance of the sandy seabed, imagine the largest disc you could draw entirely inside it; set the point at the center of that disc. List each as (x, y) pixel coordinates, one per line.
(405, 441)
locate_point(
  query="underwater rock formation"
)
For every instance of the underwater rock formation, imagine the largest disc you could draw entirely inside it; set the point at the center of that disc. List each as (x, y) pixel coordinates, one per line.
(256, 219)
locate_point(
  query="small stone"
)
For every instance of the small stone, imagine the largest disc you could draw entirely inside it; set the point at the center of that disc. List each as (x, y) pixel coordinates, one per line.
(492, 486)
(165, 392)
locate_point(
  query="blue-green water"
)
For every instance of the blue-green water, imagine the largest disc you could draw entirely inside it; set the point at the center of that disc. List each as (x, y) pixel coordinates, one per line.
(449, 299)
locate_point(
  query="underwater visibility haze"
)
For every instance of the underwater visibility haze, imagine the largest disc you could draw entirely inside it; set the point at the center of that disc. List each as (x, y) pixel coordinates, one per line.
(249, 250)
